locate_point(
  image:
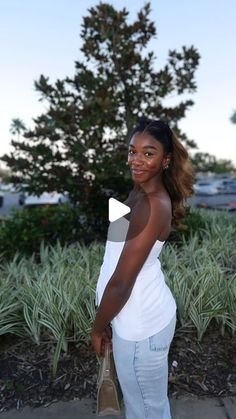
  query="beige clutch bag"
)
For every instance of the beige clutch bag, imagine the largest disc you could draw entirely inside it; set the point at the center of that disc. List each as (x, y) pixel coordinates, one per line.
(108, 393)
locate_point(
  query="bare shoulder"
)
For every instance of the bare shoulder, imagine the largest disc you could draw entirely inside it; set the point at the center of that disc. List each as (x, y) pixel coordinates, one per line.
(159, 203)
(150, 215)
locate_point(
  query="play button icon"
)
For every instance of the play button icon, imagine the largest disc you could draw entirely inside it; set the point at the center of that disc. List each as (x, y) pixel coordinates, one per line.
(120, 228)
(116, 209)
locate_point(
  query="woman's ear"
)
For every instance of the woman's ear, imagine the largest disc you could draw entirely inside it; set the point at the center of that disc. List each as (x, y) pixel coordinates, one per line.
(166, 161)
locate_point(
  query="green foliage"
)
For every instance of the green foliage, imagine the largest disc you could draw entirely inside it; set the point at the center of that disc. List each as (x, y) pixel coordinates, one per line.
(52, 297)
(17, 126)
(204, 162)
(194, 222)
(79, 144)
(23, 231)
(4, 174)
(201, 273)
(10, 320)
(233, 117)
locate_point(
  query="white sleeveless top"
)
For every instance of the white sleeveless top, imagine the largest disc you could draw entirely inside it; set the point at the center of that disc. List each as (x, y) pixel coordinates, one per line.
(151, 305)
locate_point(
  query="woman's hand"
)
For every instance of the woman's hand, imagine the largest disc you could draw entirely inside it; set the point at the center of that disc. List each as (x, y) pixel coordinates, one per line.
(99, 339)
(96, 342)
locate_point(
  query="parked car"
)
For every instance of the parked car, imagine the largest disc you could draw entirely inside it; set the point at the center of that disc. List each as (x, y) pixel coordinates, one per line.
(8, 187)
(226, 206)
(46, 198)
(206, 188)
(227, 186)
(1, 198)
(22, 197)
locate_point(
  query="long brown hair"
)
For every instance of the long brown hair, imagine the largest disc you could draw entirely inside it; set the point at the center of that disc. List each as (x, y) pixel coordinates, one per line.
(178, 178)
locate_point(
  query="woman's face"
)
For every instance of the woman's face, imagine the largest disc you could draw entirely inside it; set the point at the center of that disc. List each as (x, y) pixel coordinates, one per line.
(146, 157)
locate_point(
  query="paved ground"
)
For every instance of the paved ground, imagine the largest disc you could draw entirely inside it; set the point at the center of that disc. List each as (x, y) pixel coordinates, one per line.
(189, 407)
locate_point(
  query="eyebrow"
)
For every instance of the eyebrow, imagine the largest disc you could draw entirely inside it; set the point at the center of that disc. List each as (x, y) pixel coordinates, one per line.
(145, 146)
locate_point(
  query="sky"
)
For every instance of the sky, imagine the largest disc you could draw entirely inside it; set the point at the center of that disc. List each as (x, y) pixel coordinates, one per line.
(43, 37)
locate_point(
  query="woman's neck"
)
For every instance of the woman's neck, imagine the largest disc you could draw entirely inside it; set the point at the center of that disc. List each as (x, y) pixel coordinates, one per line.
(148, 189)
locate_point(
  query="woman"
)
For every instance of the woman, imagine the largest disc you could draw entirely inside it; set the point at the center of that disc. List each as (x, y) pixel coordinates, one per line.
(131, 290)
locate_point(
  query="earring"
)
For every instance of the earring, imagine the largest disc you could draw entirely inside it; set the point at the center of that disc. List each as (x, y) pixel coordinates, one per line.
(167, 165)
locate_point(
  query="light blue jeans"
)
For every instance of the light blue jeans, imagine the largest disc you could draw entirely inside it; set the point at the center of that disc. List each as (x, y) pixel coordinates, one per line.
(142, 370)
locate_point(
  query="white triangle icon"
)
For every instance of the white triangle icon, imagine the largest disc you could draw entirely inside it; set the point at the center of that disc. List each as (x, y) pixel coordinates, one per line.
(116, 209)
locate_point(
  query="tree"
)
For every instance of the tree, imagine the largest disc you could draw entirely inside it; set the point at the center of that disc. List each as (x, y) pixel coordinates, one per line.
(205, 162)
(233, 117)
(79, 143)
(17, 127)
(4, 174)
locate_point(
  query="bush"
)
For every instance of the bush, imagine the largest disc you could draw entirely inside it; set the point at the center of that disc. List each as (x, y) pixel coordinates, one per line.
(193, 222)
(201, 273)
(53, 296)
(23, 231)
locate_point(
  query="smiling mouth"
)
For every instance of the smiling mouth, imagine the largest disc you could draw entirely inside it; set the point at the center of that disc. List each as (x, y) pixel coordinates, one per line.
(137, 171)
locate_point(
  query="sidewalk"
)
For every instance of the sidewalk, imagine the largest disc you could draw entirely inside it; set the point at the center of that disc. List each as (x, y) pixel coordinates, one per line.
(190, 407)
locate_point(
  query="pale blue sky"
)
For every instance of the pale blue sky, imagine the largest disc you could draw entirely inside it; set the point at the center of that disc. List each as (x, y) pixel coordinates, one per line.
(43, 37)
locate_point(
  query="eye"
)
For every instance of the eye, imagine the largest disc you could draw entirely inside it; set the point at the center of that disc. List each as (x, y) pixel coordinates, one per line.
(148, 154)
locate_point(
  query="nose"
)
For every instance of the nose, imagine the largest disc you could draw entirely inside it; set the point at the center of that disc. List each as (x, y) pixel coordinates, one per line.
(136, 160)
